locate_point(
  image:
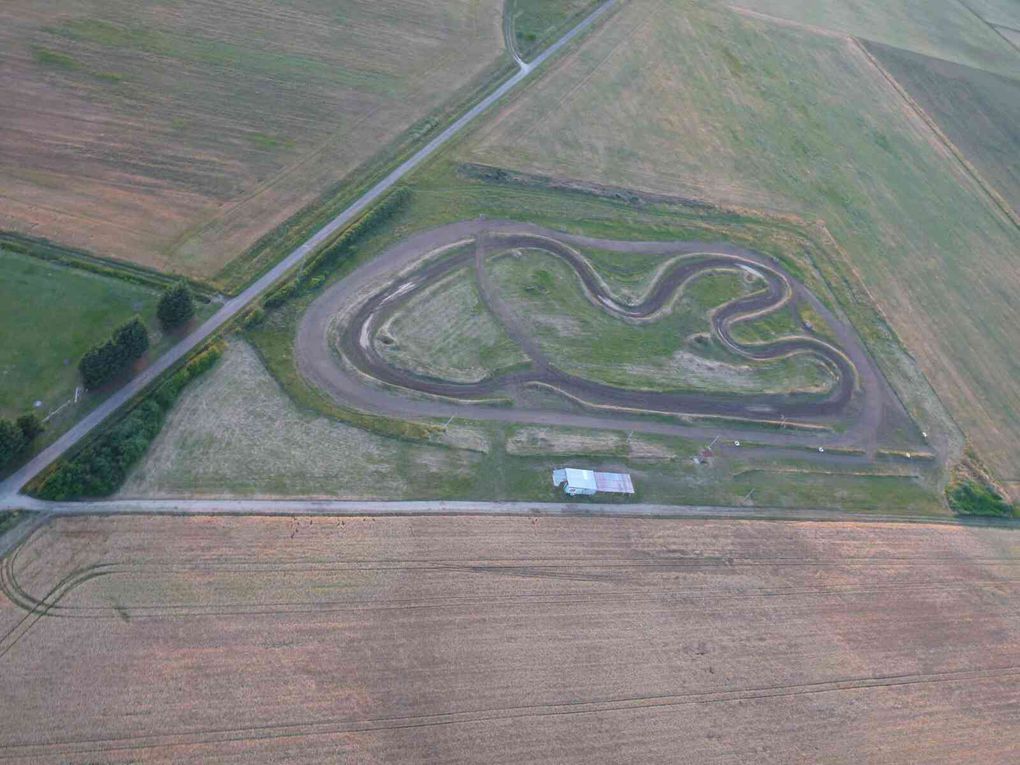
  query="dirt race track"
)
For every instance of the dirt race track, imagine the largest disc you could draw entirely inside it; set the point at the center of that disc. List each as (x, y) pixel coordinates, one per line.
(558, 640)
(346, 316)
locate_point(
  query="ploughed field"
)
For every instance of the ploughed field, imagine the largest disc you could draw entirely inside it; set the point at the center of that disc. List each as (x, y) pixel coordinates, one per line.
(148, 639)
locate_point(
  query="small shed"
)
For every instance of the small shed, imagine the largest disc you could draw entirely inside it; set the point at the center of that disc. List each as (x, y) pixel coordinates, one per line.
(578, 481)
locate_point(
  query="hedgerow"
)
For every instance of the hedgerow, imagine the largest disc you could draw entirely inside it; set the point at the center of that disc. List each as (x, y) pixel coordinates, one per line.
(314, 271)
(99, 469)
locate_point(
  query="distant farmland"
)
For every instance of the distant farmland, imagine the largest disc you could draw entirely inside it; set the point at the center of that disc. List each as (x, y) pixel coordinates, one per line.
(176, 134)
(499, 640)
(678, 99)
(977, 110)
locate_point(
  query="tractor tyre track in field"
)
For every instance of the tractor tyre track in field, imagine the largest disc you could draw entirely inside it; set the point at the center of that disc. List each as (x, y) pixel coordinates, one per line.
(573, 707)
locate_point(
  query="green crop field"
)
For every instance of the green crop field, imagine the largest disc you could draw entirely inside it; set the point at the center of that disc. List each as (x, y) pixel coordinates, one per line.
(680, 98)
(176, 134)
(977, 110)
(50, 316)
(946, 29)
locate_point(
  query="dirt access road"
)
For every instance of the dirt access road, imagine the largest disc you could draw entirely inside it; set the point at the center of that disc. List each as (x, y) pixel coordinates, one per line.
(581, 508)
(374, 290)
(234, 306)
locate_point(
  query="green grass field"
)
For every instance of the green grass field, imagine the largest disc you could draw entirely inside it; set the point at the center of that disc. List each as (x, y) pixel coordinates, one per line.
(535, 23)
(675, 352)
(51, 315)
(679, 98)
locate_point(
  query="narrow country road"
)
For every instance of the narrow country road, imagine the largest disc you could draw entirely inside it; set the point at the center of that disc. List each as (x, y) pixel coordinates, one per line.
(576, 508)
(234, 306)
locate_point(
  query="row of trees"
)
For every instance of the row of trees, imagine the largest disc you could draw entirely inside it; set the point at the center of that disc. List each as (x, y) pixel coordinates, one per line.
(101, 466)
(16, 436)
(113, 357)
(102, 363)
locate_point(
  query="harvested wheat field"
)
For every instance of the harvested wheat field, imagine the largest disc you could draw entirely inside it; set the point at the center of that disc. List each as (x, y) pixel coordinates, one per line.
(177, 134)
(493, 639)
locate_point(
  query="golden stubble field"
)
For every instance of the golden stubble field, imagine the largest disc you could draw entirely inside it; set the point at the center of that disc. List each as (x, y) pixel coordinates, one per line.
(504, 639)
(175, 134)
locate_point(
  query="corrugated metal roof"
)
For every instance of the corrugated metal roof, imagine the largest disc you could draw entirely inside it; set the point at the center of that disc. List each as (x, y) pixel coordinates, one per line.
(617, 483)
(581, 479)
(578, 478)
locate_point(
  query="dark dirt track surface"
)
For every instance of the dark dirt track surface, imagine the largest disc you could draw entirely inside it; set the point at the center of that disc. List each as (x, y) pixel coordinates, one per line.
(377, 309)
(858, 398)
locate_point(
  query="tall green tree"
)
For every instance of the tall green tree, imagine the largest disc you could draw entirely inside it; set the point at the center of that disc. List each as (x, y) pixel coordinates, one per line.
(12, 441)
(100, 364)
(176, 307)
(133, 339)
(30, 426)
(104, 362)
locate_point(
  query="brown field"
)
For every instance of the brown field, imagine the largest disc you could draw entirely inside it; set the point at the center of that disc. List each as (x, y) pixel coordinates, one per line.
(175, 134)
(510, 639)
(675, 97)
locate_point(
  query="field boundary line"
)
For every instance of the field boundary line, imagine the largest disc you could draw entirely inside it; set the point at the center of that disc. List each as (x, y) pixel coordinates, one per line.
(932, 124)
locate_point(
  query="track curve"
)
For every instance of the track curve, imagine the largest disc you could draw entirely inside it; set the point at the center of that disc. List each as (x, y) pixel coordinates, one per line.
(344, 318)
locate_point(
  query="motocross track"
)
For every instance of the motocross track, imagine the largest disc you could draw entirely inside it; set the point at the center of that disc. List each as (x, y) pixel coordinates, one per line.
(344, 319)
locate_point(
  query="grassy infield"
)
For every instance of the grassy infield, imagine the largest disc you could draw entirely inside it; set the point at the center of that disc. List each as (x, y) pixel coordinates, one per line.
(587, 341)
(443, 192)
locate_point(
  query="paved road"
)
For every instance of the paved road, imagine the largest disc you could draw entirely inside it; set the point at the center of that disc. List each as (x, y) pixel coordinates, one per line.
(577, 508)
(234, 306)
